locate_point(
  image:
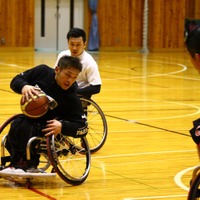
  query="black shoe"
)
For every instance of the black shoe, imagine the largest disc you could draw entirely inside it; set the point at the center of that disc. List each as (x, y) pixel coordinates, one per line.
(20, 165)
(197, 193)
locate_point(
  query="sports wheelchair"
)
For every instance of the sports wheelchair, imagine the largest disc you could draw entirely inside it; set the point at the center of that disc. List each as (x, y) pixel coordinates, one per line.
(69, 157)
(98, 128)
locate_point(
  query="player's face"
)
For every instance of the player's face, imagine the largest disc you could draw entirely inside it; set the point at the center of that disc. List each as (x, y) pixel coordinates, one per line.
(66, 77)
(196, 62)
(76, 46)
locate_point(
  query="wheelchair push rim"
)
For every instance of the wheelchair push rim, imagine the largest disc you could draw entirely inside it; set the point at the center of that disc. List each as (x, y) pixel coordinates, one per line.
(72, 164)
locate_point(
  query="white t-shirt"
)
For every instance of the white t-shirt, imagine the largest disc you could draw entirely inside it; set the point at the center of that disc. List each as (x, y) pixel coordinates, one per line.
(90, 73)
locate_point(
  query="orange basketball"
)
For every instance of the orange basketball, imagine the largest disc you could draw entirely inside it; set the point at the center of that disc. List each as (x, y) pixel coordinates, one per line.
(35, 108)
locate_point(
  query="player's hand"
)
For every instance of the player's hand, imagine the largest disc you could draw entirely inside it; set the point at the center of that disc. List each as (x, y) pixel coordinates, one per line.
(28, 91)
(53, 127)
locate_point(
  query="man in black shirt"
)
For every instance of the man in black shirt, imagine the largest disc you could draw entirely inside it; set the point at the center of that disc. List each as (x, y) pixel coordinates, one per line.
(67, 117)
(192, 43)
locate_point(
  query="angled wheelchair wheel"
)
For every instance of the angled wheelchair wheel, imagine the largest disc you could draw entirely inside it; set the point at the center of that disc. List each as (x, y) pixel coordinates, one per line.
(72, 164)
(4, 129)
(6, 125)
(98, 128)
(42, 150)
(194, 192)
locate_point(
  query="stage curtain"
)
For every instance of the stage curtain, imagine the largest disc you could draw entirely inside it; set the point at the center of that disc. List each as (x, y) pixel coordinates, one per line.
(93, 42)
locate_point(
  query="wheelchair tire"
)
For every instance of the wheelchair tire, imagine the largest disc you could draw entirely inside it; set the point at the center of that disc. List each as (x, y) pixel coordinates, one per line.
(97, 124)
(72, 164)
(4, 129)
(194, 192)
(7, 122)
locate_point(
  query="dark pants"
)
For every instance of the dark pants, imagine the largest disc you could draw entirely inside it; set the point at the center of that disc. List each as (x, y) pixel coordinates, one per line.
(21, 130)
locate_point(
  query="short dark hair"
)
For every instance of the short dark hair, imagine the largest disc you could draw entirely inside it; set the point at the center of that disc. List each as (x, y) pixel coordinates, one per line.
(69, 61)
(76, 32)
(192, 41)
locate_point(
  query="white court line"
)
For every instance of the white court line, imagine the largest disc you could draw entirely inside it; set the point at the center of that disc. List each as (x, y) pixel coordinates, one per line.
(157, 197)
(170, 117)
(177, 178)
(169, 102)
(11, 65)
(144, 153)
(156, 61)
(184, 68)
(155, 75)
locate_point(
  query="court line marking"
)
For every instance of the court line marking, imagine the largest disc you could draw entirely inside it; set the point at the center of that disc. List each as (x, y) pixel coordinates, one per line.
(178, 176)
(184, 68)
(170, 117)
(143, 153)
(12, 65)
(156, 197)
(177, 180)
(148, 125)
(42, 193)
(131, 77)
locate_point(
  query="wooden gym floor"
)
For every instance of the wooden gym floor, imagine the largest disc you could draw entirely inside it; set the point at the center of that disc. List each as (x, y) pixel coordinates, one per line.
(150, 102)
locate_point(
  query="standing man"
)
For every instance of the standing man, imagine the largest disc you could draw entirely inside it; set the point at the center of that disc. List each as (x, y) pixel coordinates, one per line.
(89, 80)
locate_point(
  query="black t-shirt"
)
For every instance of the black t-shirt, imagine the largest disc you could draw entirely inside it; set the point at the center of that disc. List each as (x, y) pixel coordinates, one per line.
(69, 110)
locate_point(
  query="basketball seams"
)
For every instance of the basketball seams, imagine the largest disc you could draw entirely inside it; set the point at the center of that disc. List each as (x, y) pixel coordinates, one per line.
(35, 109)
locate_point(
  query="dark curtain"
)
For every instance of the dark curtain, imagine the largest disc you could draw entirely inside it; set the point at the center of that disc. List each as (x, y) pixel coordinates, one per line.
(93, 42)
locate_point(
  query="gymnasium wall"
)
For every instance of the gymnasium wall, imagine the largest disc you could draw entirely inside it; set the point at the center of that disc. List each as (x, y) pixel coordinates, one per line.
(120, 23)
(16, 23)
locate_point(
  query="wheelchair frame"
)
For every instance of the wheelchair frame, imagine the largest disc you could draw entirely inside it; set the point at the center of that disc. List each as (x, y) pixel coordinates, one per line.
(70, 157)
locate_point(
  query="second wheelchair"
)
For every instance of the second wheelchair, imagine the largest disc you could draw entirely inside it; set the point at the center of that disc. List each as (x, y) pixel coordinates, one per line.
(97, 123)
